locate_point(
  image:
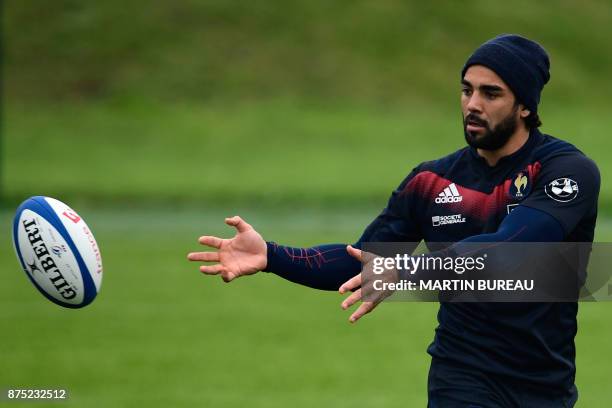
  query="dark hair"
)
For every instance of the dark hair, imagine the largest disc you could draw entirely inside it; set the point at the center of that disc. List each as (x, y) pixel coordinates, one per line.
(532, 121)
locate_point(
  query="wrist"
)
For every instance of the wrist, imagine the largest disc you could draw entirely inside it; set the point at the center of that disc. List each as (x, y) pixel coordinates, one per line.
(271, 249)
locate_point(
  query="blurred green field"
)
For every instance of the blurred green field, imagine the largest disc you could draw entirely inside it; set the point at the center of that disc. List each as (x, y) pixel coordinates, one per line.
(161, 334)
(273, 153)
(312, 103)
(383, 52)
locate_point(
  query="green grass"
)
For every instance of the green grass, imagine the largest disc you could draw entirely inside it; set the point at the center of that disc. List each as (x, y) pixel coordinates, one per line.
(161, 334)
(380, 52)
(273, 153)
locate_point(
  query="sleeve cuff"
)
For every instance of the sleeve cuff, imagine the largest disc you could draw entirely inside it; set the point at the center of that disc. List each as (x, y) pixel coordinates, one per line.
(272, 248)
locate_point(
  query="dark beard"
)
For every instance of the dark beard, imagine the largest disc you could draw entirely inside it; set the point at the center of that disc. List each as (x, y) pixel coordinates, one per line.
(492, 139)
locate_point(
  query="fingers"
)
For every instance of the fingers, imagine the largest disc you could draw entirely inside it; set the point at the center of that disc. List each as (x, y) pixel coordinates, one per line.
(363, 309)
(216, 242)
(228, 277)
(351, 284)
(211, 241)
(352, 299)
(218, 269)
(237, 222)
(355, 253)
(204, 256)
(212, 269)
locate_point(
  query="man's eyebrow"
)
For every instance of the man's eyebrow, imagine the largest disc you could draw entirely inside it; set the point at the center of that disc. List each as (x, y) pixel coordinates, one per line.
(491, 88)
(486, 88)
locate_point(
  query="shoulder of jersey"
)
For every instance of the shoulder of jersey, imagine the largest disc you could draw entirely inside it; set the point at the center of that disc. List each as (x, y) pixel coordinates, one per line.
(552, 147)
(441, 165)
(566, 156)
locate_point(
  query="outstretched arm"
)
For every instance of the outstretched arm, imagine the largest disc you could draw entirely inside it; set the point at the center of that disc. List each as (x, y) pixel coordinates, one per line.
(323, 267)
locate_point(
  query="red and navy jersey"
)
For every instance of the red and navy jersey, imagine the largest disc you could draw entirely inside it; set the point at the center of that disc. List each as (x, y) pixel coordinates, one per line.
(459, 196)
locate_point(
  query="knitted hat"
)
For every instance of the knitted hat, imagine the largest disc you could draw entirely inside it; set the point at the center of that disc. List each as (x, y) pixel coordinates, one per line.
(521, 63)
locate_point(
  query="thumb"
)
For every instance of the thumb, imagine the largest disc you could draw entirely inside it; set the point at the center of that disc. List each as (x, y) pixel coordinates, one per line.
(228, 277)
(237, 222)
(354, 252)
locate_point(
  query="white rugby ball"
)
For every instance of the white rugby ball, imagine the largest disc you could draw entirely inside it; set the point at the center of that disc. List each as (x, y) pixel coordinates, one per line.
(57, 251)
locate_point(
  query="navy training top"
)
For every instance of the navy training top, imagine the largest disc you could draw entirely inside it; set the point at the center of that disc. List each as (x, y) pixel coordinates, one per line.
(459, 196)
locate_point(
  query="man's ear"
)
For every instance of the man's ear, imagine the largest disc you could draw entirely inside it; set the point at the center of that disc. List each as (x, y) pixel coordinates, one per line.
(524, 112)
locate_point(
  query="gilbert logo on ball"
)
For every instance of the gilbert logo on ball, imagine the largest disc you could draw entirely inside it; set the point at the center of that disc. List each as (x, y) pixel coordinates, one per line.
(57, 251)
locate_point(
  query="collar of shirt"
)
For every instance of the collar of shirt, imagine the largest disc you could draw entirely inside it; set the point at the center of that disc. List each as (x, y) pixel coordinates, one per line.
(535, 136)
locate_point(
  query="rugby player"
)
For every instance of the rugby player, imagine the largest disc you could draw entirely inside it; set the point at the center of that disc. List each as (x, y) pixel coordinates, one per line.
(511, 183)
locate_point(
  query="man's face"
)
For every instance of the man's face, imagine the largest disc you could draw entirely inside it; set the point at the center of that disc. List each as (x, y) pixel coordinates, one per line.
(490, 112)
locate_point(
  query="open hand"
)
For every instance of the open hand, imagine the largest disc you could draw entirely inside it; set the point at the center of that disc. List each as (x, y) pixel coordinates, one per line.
(355, 284)
(244, 254)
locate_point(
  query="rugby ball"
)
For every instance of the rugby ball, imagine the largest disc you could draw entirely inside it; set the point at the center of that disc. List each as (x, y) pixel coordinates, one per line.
(57, 251)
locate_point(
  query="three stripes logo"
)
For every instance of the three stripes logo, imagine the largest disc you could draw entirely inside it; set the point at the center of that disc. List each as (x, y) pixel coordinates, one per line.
(449, 195)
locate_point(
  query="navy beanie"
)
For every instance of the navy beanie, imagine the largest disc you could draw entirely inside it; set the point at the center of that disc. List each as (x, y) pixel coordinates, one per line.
(521, 63)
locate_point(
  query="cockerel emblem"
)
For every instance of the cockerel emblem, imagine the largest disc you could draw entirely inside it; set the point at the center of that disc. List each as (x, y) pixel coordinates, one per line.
(520, 182)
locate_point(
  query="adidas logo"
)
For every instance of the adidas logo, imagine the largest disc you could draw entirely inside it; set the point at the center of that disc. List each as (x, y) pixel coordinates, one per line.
(449, 195)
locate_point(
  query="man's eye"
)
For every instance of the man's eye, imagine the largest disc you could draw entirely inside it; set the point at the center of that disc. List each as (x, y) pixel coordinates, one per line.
(491, 95)
(466, 91)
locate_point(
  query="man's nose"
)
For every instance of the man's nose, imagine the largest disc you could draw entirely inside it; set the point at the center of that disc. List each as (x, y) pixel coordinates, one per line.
(474, 103)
